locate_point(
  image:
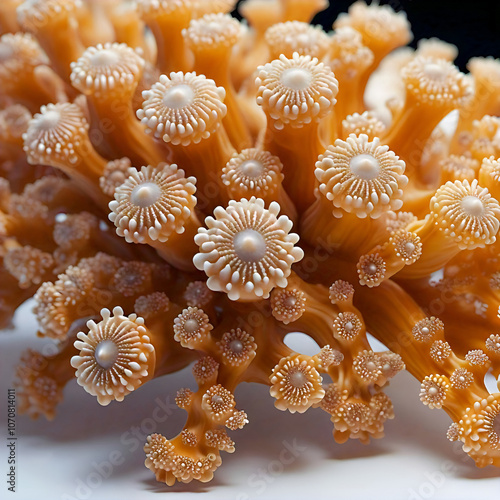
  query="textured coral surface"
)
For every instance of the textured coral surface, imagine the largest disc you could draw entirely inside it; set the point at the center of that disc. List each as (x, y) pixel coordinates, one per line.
(181, 188)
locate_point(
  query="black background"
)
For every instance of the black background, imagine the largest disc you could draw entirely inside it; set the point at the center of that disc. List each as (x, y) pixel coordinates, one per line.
(473, 25)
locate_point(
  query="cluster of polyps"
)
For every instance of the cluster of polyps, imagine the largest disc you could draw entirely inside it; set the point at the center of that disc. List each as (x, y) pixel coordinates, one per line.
(162, 188)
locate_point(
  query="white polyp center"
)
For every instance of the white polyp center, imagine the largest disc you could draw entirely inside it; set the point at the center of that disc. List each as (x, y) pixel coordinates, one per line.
(409, 247)
(131, 278)
(236, 346)
(290, 302)
(472, 206)
(191, 325)
(252, 168)
(104, 57)
(213, 28)
(6, 52)
(296, 78)
(371, 269)
(461, 378)
(371, 366)
(297, 379)
(216, 399)
(106, 353)
(117, 177)
(145, 195)
(249, 245)
(302, 39)
(178, 96)
(50, 119)
(364, 166)
(433, 391)
(434, 71)
(349, 326)
(425, 330)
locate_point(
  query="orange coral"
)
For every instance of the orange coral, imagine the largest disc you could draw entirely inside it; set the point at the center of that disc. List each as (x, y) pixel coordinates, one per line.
(251, 194)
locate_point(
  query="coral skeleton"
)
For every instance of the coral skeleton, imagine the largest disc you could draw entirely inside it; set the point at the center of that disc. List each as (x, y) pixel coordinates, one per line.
(168, 174)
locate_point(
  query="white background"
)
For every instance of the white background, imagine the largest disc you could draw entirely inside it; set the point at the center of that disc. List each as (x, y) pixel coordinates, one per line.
(414, 460)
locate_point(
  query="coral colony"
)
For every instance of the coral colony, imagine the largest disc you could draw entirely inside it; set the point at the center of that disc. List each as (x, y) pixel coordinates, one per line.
(179, 187)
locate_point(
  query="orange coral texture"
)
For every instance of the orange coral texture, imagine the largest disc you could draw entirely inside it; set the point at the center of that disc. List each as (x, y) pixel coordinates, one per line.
(194, 191)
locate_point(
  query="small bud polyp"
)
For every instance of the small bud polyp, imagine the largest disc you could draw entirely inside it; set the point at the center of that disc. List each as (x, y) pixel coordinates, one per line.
(472, 206)
(365, 166)
(178, 96)
(249, 245)
(252, 168)
(106, 353)
(298, 379)
(145, 195)
(296, 78)
(103, 58)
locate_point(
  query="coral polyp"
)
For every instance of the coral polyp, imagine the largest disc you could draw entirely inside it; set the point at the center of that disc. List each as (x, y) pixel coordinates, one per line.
(178, 187)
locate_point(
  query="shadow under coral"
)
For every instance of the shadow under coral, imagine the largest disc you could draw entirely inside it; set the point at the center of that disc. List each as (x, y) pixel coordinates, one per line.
(275, 448)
